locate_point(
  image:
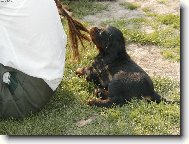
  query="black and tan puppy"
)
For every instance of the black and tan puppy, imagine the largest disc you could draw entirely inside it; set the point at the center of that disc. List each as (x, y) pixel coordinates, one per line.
(118, 77)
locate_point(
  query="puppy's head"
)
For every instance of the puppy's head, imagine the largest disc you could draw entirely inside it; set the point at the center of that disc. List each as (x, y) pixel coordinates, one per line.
(108, 40)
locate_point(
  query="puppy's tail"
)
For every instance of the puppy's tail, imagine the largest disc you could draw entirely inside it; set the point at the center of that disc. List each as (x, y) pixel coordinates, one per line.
(157, 98)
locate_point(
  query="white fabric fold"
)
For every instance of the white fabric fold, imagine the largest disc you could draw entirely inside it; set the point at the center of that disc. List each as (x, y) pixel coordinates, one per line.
(32, 39)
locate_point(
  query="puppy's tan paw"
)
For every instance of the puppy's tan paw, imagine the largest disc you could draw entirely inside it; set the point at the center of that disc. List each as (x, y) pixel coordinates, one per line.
(80, 72)
(91, 102)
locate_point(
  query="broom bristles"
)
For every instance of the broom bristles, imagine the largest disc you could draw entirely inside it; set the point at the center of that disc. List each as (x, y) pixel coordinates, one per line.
(75, 31)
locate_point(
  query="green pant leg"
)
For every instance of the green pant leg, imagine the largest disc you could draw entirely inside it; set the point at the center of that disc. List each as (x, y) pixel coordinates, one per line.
(23, 95)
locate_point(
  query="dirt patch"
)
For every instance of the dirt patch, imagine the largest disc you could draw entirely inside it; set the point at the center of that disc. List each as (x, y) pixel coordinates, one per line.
(84, 122)
(151, 60)
(160, 6)
(148, 57)
(116, 11)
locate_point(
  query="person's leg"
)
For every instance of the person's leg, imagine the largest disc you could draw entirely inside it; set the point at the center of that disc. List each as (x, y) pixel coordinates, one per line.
(21, 94)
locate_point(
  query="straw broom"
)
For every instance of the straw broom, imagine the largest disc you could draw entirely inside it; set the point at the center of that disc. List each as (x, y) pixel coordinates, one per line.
(75, 30)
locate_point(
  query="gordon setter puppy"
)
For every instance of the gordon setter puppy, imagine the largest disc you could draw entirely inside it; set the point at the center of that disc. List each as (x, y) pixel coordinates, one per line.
(118, 77)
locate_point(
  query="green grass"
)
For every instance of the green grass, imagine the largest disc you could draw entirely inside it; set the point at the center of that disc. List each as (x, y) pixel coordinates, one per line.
(146, 9)
(68, 106)
(170, 19)
(130, 6)
(162, 1)
(82, 8)
(172, 54)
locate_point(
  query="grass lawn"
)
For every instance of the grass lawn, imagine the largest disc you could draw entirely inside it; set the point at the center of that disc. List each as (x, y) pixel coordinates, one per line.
(130, 6)
(67, 112)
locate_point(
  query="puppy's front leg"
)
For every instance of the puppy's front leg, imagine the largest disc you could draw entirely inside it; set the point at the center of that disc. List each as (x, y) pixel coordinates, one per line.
(101, 102)
(83, 71)
(101, 93)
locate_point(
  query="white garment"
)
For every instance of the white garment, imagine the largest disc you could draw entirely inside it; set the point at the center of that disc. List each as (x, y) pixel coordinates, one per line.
(32, 39)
